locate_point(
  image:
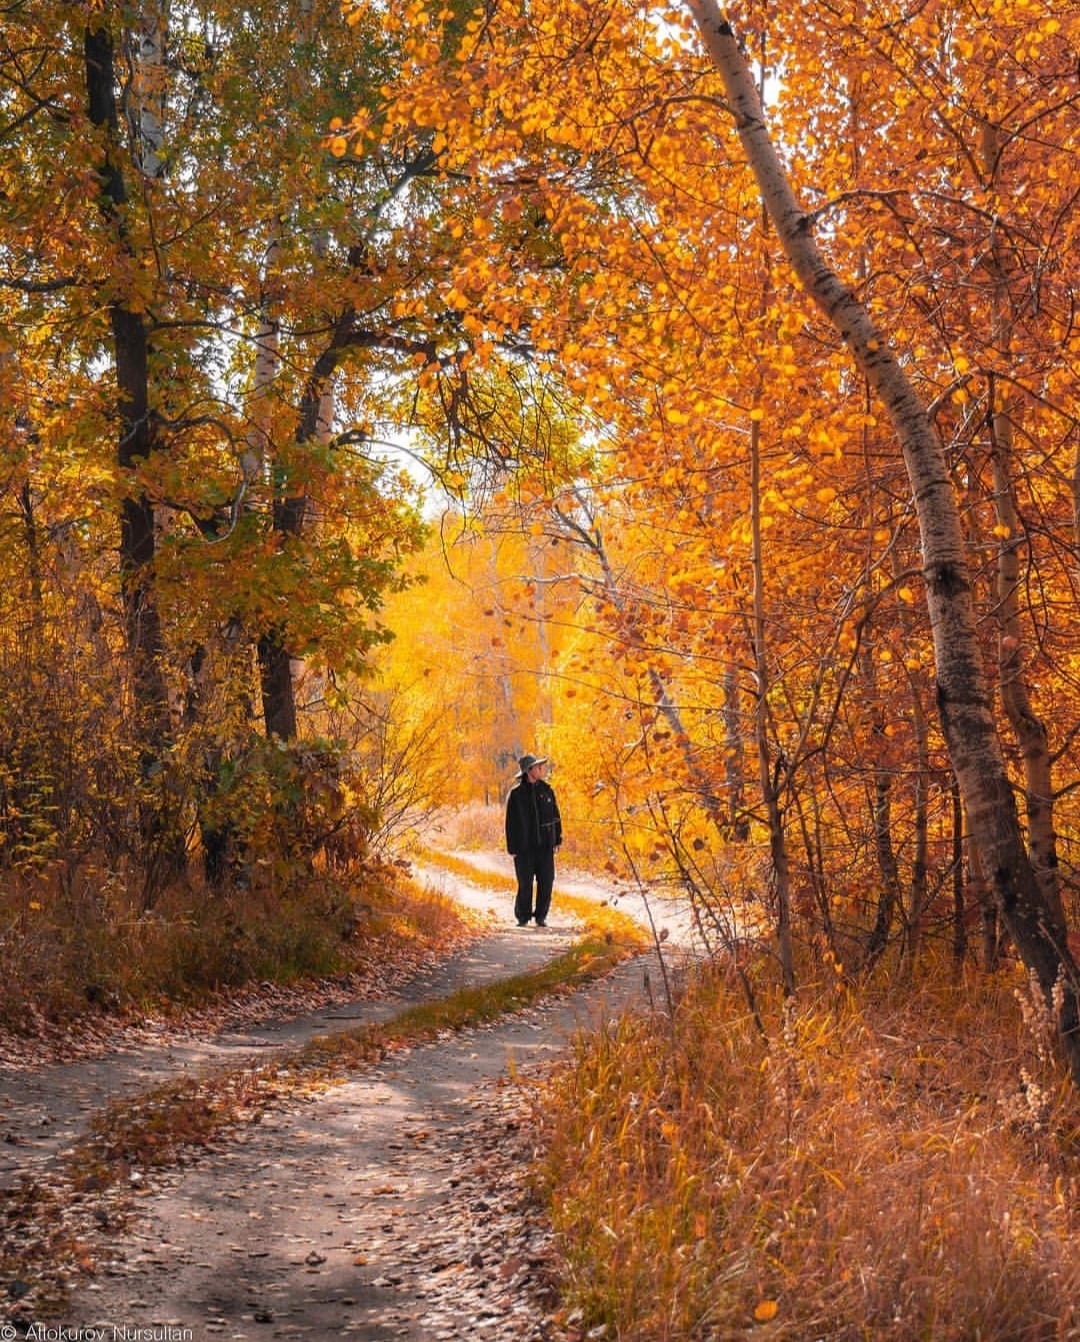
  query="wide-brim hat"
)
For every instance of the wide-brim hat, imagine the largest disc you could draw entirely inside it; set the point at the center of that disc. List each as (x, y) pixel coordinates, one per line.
(529, 761)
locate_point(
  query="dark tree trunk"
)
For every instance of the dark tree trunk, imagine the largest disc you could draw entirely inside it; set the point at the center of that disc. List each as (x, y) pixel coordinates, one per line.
(290, 509)
(136, 442)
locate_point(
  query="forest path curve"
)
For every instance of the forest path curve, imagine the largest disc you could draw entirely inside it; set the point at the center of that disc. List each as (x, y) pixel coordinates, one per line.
(387, 1207)
(45, 1108)
(393, 1206)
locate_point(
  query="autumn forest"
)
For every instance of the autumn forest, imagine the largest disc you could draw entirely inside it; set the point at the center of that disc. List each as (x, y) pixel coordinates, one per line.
(690, 396)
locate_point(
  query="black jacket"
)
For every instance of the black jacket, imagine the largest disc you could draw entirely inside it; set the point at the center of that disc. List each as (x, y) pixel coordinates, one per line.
(533, 822)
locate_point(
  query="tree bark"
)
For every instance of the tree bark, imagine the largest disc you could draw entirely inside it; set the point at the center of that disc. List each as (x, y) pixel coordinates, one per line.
(767, 777)
(963, 700)
(960, 936)
(289, 514)
(884, 849)
(138, 440)
(137, 437)
(1029, 728)
(737, 819)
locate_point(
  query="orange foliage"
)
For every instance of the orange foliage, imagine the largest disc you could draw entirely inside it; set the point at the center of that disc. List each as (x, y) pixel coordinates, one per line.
(608, 226)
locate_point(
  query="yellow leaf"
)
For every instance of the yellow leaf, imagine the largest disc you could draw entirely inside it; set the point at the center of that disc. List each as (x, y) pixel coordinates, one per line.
(766, 1310)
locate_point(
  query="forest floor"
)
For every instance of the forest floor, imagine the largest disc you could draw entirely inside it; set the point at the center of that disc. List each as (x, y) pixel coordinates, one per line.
(395, 1204)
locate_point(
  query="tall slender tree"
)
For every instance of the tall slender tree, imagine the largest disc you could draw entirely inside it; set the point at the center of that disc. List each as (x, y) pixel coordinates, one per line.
(1035, 923)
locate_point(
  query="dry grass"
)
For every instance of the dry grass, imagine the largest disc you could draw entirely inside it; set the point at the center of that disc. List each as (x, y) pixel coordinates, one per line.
(474, 826)
(877, 1169)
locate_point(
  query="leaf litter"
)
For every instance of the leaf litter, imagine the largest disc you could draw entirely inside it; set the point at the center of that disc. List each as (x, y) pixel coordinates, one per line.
(462, 1251)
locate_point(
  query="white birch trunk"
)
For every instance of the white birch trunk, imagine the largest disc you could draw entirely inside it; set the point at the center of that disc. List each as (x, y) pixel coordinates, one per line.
(145, 46)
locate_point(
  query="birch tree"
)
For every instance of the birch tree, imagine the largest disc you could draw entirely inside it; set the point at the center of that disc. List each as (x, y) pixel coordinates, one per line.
(1036, 926)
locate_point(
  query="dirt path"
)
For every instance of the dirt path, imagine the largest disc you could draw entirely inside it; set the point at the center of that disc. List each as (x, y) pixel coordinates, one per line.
(44, 1110)
(391, 1206)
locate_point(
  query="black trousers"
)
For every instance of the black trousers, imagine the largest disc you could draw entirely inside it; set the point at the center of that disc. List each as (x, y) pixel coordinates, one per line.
(536, 866)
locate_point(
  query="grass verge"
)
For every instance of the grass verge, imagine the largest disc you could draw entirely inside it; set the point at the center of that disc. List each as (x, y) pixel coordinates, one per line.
(882, 1167)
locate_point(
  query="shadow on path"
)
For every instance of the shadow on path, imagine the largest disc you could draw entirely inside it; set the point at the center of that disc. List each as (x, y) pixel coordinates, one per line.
(388, 1206)
(44, 1110)
(369, 1212)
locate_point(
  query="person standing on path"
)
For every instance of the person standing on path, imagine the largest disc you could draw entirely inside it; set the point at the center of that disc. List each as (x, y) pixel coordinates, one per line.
(533, 833)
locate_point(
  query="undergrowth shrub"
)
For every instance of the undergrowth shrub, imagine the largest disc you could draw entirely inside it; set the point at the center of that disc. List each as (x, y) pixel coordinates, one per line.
(88, 945)
(856, 1169)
